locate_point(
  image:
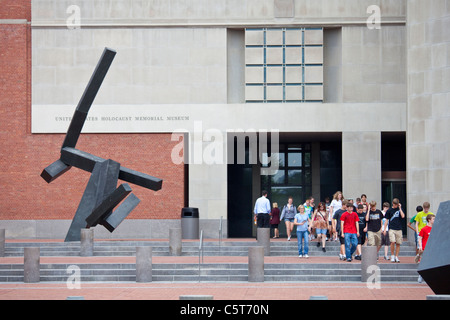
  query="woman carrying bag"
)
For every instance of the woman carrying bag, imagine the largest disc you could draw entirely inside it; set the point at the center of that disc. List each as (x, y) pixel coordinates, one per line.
(320, 223)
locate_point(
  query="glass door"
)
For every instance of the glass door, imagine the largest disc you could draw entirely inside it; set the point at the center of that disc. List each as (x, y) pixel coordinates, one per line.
(292, 179)
(395, 189)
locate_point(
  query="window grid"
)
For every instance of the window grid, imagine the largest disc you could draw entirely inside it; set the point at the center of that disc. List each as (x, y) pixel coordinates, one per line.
(265, 84)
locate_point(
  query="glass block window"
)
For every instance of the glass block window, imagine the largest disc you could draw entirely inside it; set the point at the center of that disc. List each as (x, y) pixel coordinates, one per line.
(283, 65)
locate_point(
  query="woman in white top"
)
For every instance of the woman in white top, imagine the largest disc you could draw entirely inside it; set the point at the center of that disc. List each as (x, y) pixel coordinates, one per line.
(335, 205)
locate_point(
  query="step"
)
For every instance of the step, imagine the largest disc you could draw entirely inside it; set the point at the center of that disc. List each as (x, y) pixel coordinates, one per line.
(172, 272)
(189, 248)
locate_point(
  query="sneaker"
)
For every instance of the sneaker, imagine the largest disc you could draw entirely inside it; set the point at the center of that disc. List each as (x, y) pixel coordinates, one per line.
(358, 257)
(392, 259)
(416, 259)
(349, 260)
(323, 249)
(306, 256)
(420, 280)
(386, 258)
(341, 257)
(300, 256)
(289, 239)
(318, 244)
(396, 259)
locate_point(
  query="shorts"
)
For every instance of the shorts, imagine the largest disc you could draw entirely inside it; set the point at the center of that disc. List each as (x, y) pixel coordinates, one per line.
(374, 238)
(362, 238)
(289, 219)
(341, 239)
(321, 231)
(396, 236)
(416, 236)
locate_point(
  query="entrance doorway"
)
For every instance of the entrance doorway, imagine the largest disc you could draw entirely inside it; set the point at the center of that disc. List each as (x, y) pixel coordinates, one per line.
(393, 170)
(294, 178)
(309, 164)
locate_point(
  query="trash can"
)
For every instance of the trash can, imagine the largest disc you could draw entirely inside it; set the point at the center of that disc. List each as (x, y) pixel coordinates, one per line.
(189, 223)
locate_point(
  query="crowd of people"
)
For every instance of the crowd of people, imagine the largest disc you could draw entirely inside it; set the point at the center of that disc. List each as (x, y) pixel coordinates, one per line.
(352, 224)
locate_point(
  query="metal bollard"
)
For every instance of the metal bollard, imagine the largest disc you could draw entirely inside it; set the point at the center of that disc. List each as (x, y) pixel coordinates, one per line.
(196, 297)
(256, 264)
(368, 260)
(144, 264)
(438, 297)
(87, 242)
(175, 243)
(263, 235)
(31, 264)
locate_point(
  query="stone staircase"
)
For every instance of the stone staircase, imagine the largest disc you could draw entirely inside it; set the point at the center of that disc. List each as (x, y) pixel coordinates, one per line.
(208, 272)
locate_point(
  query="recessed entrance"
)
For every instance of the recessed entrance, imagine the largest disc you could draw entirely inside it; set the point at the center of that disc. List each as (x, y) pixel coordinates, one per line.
(309, 164)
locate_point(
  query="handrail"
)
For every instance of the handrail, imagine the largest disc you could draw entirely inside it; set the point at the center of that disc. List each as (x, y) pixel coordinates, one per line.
(220, 235)
(200, 250)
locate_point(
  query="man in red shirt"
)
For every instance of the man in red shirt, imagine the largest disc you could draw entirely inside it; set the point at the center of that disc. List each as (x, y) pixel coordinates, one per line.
(350, 231)
(424, 234)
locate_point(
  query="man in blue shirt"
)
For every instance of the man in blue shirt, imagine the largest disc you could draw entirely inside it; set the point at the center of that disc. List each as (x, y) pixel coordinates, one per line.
(262, 211)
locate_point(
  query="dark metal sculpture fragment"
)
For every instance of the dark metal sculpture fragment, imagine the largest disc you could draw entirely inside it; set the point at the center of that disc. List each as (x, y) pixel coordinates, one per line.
(101, 195)
(435, 264)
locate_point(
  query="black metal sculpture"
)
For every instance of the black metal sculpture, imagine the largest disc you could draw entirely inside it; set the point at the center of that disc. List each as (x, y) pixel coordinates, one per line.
(101, 195)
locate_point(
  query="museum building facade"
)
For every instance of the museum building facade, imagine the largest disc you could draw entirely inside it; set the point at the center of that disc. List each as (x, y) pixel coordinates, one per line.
(223, 99)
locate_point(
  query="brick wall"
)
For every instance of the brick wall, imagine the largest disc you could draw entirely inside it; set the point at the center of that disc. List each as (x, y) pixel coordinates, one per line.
(24, 195)
(15, 9)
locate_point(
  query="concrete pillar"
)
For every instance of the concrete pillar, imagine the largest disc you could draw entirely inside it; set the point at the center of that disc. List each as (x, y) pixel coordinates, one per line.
(175, 243)
(144, 264)
(368, 260)
(263, 236)
(2, 242)
(361, 165)
(87, 243)
(256, 264)
(208, 178)
(428, 145)
(31, 264)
